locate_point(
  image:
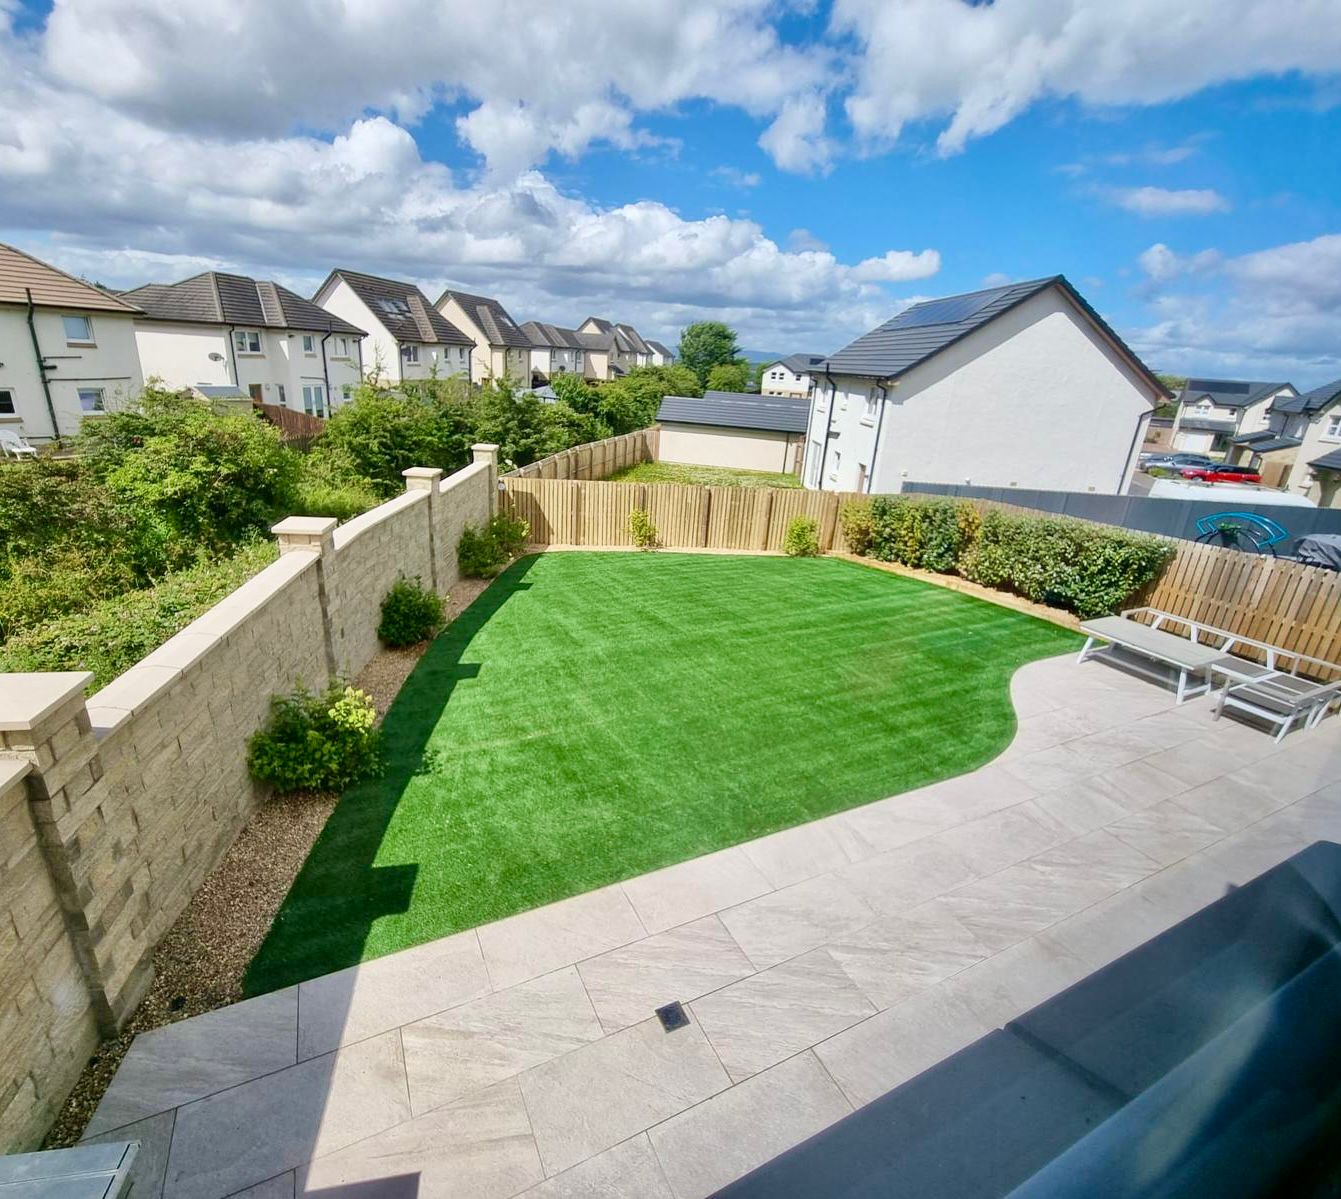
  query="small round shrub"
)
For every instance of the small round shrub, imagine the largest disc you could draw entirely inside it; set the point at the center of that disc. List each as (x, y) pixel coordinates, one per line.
(854, 517)
(642, 530)
(411, 613)
(802, 537)
(317, 742)
(482, 553)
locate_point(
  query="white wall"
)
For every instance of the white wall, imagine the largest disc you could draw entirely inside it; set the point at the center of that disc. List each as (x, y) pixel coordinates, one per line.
(711, 445)
(1316, 442)
(1037, 398)
(779, 381)
(379, 345)
(111, 364)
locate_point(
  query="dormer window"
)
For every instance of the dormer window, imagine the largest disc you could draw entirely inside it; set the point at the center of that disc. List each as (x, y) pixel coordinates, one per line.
(247, 341)
(78, 330)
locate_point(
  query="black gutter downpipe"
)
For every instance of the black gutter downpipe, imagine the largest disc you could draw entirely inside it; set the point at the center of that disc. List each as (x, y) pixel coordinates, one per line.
(325, 368)
(41, 367)
(232, 357)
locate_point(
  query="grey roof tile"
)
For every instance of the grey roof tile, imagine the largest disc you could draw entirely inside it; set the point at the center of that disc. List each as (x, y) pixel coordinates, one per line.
(544, 335)
(801, 364)
(1227, 393)
(406, 319)
(490, 317)
(1330, 461)
(737, 410)
(1310, 402)
(217, 298)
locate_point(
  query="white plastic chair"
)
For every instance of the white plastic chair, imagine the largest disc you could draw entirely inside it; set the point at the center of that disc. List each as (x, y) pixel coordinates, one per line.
(15, 445)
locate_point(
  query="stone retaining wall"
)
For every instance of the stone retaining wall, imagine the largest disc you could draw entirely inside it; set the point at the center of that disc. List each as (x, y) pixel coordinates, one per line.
(114, 808)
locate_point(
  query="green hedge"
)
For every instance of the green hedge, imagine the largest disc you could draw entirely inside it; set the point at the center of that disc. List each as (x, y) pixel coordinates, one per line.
(112, 635)
(1089, 569)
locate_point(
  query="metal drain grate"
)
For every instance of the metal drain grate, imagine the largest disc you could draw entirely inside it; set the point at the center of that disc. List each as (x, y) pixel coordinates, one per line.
(673, 1016)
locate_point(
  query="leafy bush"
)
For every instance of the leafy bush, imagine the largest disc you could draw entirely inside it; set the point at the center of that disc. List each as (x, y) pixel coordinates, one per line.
(411, 613)
(642, 530)
(802, 537)
(329, 485)
(113, 634)
(320, 742)
(1086, 568)
(854, 518)
(483, 552)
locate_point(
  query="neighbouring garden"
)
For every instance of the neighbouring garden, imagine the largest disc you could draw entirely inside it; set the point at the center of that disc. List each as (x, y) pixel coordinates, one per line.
(552, 739)
(702, 476)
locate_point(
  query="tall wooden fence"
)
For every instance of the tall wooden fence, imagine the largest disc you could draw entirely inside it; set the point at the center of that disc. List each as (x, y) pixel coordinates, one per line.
(594, 459)
(1283, 603)
(297, 429)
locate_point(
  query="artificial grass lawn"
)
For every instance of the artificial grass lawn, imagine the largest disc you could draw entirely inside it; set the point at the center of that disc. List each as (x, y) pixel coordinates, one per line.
(704, 476)
(593, 716)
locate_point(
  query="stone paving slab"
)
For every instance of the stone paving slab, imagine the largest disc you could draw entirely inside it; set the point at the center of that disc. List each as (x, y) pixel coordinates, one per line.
(820, 967)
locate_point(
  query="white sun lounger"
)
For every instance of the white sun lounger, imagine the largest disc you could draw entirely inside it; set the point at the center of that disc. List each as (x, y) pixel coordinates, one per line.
(1191, 658)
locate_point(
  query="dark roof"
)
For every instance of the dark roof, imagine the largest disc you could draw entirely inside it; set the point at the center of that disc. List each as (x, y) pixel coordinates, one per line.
(1227, 393)
(1311, 401)
(737, 410)
(602, 326)
(216, 298)
(634, 338)
(801, 364)
(490, 317)
(596, 341)
(624, 338)
(402, 309)
(1330, 461)
(664, 351)
(924, 330)
(221, 391)
(1274, 442)
(555, 336)
(1206, 424)
(1254, 437)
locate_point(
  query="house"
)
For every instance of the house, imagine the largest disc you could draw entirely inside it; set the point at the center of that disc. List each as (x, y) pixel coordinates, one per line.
(554, 351)
(1301, 451)
(612, 350)
(502, 350)
(662, 355)
(218, 330)
(1213, 412)
(790, 376)
(733, 428)
(67, 348)
(1023, 385)
(407, 337)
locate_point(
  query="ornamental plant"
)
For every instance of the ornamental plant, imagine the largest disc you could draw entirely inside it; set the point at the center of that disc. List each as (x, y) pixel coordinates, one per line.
(642, 530)
(411, 613)
(317, 742)
(802, 537)
(483, 552)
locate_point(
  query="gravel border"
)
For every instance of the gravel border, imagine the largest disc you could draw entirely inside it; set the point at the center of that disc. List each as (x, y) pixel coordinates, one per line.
(200, 962)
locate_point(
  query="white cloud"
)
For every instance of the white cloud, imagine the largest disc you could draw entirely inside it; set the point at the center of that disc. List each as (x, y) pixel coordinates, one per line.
(898, 266)
(1270, 313)
(978, 66)
(1163, 201)
(796, 140)
(803, 239)
(735, 177)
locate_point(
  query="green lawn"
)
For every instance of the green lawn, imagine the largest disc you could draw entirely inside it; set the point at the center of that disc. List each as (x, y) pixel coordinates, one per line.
(595, 715)
(705, 476)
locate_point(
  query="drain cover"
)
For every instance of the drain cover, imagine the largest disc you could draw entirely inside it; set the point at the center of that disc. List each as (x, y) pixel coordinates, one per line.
(673, 1016)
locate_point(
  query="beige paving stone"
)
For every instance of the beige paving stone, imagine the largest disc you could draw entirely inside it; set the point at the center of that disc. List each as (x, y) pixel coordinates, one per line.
(796, 854)
(786, 923)
(627, 1169)
(679, 894)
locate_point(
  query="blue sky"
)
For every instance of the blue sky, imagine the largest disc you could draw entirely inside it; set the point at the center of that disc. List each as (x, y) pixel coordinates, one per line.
(801, 171)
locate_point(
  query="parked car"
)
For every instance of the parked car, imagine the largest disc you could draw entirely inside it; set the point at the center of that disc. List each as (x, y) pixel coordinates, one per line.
(1174, 461)
(1222, 472)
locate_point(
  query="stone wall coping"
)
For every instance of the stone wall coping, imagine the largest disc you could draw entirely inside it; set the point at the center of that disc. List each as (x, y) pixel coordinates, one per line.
(461, 477)
(306, 526)
(136, 689)
(432, 473)
(352, 529)
(28, 699)
(12, 771)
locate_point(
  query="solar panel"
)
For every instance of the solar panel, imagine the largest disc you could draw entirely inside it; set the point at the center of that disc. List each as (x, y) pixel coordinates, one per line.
(949, 311)
(1223, 386)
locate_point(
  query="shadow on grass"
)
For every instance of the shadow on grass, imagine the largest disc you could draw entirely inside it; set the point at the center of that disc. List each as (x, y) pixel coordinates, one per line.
(341, 891)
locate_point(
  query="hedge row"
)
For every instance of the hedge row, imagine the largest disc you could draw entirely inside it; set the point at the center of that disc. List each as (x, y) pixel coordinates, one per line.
(1085, 568)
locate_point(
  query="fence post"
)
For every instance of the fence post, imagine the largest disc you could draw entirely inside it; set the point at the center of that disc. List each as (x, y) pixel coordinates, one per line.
(314, 535)
(45, 721)
(427, 478)
(486, 452)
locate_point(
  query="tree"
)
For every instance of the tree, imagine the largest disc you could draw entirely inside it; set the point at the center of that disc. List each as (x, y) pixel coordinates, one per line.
(574, 391)
(729, 376)
(632, 402)
(706, 344)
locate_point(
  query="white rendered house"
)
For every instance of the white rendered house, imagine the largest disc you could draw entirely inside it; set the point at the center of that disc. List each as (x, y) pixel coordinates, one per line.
(790, 376)
(1017, 386)
(67, 349)
(501, 349)
(1214, 412)
(406, 337)
(554, 351)
(217, 330)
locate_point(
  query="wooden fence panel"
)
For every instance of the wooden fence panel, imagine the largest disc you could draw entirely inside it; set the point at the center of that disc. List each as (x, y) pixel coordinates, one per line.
(593, 460)
(738, 517)
(549, 506)
(603, 518)
(788, 504)
(680, 514)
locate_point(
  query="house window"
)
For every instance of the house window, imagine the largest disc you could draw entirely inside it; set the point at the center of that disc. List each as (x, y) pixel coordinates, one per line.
(247, 341)
(91, 399)
(410, 353)
(347, 391)
(7, 403)
(577, 358)
(78, 330)
(341, 347)
(872, 404)
(837, 462)
(1334, 425)
(281, 395)
(309, 344)
(314, 400)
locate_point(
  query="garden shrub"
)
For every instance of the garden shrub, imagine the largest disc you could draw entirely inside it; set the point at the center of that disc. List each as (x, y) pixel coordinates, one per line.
(411, 613)
(802, 537)
(642, 530)
(113, 634)
(854, 518)
(317, 742)
(483, 552)
(329, 484)
(1086, 568)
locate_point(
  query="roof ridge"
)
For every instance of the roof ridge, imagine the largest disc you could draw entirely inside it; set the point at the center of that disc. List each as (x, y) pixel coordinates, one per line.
(46, 266)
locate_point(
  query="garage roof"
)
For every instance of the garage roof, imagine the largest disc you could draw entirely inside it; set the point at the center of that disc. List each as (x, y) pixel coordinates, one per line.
(737, 410)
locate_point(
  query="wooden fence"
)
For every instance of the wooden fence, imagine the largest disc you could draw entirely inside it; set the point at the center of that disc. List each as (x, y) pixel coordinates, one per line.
(296, 429)
(595, 459)
(1292, 606)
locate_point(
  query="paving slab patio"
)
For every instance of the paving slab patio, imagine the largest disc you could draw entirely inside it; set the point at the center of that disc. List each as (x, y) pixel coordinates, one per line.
(820, 968)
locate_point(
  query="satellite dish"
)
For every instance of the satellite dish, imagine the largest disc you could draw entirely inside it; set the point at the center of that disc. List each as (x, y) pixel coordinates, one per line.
(216, 357)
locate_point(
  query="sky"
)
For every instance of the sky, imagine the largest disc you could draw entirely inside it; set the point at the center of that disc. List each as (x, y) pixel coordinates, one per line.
(802, 171)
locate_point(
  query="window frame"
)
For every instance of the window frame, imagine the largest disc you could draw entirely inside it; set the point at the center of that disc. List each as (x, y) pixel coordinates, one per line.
(99, 405)
(90, 340)
(309, 344)
(409, 352)
(7, 397)
(244, 347)
(1333, 426)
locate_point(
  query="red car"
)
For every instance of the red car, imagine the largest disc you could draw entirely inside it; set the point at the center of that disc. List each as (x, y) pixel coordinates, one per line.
(1222, 472)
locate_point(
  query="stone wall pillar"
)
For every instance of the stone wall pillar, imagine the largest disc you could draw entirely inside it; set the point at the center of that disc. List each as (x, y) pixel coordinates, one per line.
(44, 720)
(484, 452)
(429, 479)
(314, 535)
